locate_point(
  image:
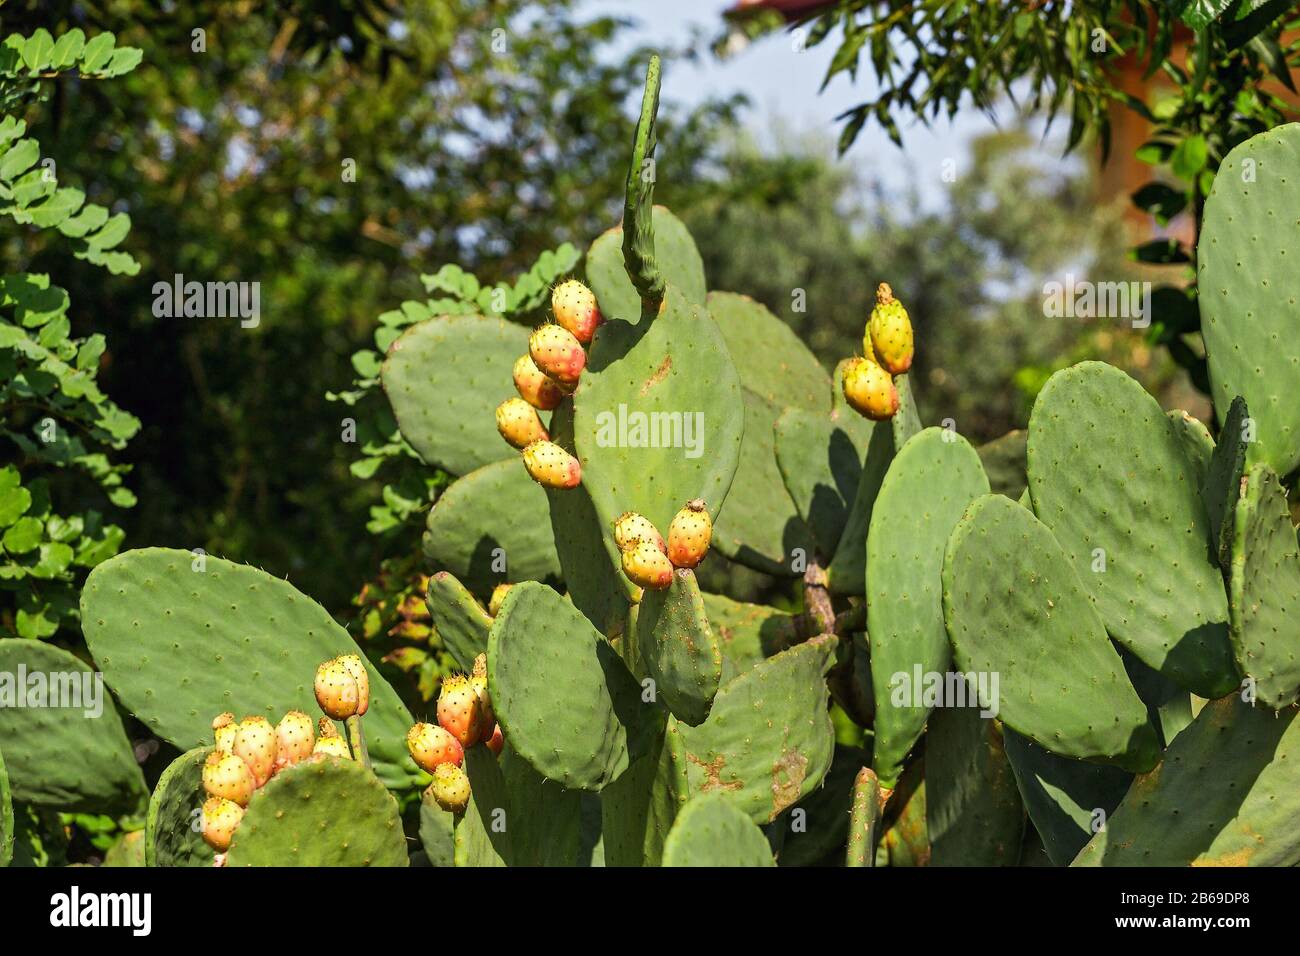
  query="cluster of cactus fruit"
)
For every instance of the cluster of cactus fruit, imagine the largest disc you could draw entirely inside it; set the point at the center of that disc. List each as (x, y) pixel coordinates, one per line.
(1037, 651)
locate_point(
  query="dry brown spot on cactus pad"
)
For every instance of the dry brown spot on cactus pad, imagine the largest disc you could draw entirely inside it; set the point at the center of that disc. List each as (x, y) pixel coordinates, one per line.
(788, 773)
(713, 774)
(659, 375)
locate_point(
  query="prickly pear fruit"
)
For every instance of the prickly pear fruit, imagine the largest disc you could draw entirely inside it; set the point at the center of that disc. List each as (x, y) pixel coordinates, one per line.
(518, 423)
(479, 684)
(498, 595)
(325, 728)
(631, 527)
(496, 740)
(689, 534)
(459, 710)
(450, 787)
(556, 351)
(228, 777)
(550, 465)
(353, 665)
(431, 746)
(224, 727)
(533, 385)
(646, 565)
(256, 745)
(870, 390)
(331, 747)
(890, 332)
(575, 309)
(336, 690)
(294, 738)
(220, 818)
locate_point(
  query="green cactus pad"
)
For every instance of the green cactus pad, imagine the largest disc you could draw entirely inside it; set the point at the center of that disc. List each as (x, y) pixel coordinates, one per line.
(565, 700)
(1221, 485)
(58, 756)
(678, 648)
(1198, 444)
(129, 850)
(973, 810)
(905, 838)
(675, 255)
(927, 488)
(778, 366)
(1248, 283)
(444, 378)
(907, 420)
(1265, 582)
(1004, 463)
(712, 831)
(179, 646)
(646, 371)
(864, 820)
(1107, 471)
(638, 809)
(818, 825)
(1168, 705)
(768, 741)
(459, 619)
(748, 633)
(172, 833)
(847, 571)
(1014, 607)
(437, 833)
(1225, 795)
(6, 817)
(493, 516)
(323, 812)
(1063, 796)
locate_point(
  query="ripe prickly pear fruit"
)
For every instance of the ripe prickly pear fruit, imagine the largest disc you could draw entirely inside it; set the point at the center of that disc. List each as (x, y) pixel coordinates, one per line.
(498, 595)
(431, 746)
(890, 332)
(256, 745)
(550, 465)
(575, 309)
(533, 385)
(459, 710)
(220, 817)
(294, 739)
(689, 534)
(353, 664)
(450, 787)
(224, 728)
(870, 390)
(518, 423)
(645, 565)
(331, 747)
(632, 527)
(558, 353)
(495, 740)
(478, 682)
(336, 690)
(228, 777)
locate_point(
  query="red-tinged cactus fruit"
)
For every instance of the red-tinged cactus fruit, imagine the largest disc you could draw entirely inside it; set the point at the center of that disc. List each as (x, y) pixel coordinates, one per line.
(533, 385)
(647, 566)
(478, 682)
(558, 354)
(256, 745)
(220, 817)
(431, 746)
(551, 466)
(336, 690)
(870, 390)
(498, 595)
(450, 788)
(631, 527)
(890, 333)
(496, 740)
(353, 664)
(228, 777)
(459, 710)
(574, 306)
(224, 727)
(331, 747)
(294, 738)
(689, 535)
(519, 424)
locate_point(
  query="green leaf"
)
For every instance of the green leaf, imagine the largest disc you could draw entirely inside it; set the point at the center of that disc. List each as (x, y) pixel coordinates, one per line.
(23, 535)
(1189, 157)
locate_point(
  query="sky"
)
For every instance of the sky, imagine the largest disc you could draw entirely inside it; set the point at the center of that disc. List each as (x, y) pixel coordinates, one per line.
(782, 85)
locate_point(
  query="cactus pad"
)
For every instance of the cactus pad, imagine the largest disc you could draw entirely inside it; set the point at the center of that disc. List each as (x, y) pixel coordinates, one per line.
(638, 809)
(179, 645)
(495, 516)
(1014, 607)
(678, 648)
(712, 831)
(675, 255)
(322, 812)
(459, 619)
(847, 571)
(864, 820)
(973, 810)
(1221, 485)
(1004, 463)
(1249, 283)
(747, 633)
(444, 378)
(1109, 477)
(6, 817)
(1198, 444)
(172, 834)
(818, 825)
